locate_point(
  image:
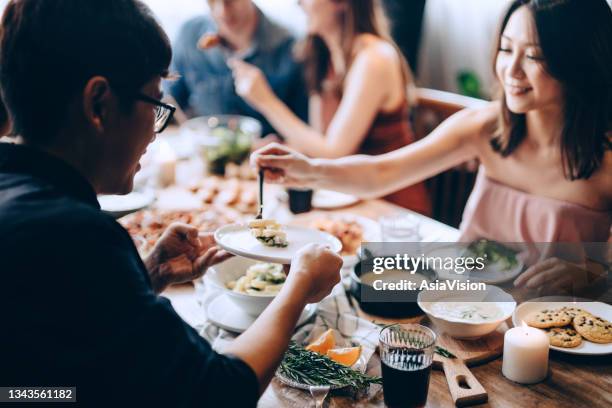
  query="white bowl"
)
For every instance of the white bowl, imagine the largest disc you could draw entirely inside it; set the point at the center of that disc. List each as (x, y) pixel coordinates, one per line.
(232, 269)
(465, 329)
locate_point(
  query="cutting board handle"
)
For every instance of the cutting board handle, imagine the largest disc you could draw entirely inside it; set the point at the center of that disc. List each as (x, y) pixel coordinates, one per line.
(464, 387)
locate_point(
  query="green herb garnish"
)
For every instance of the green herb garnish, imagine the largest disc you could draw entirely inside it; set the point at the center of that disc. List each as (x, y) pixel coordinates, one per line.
(307, 367)
(444, 352)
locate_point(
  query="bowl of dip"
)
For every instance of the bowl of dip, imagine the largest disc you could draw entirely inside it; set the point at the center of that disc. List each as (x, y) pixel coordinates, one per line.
(467, 316)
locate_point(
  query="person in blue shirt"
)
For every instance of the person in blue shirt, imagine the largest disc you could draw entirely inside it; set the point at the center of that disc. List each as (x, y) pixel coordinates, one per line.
(239, 30)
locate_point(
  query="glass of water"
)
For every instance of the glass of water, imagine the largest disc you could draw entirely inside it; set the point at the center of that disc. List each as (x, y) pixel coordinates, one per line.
(401, 228)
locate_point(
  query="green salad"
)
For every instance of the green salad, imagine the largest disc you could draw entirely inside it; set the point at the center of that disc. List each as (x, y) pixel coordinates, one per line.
(234, 146)
(494, 253)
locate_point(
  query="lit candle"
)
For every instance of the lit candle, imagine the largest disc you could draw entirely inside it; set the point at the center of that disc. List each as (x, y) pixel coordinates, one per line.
(525, 355)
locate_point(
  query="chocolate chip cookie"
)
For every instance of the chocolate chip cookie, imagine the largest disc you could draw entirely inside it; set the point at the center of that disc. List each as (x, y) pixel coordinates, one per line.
(565, 337)
(549, 318)
(593, 328)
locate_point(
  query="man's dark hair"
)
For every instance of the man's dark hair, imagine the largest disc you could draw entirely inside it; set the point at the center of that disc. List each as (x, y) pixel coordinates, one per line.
(49, 49)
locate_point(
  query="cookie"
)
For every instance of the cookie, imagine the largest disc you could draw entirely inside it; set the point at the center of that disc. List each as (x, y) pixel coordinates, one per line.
(549, 318)
(593, 328)
(573, 311)
(564, 337)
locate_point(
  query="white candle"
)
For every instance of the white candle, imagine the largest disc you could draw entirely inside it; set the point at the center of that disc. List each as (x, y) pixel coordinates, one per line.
(525, 355)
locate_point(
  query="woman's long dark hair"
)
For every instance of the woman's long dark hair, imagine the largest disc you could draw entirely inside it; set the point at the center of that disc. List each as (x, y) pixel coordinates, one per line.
(576, 41)
(362, 16)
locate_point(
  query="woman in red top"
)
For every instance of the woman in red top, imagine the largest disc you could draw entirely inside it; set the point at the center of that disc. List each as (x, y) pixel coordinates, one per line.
(358, 82)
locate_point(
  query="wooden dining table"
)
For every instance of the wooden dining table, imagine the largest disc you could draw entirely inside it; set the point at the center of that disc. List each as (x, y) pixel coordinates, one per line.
(573, 381)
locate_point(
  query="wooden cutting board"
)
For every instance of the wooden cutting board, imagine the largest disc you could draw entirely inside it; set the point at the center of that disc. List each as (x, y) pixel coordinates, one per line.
(463, 386)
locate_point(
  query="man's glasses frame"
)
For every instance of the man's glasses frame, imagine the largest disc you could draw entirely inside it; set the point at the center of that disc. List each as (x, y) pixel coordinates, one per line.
(163, 112)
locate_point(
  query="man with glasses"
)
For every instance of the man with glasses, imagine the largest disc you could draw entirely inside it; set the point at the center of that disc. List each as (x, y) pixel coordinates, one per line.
(81, 82)
(234, 29)
(163, 112)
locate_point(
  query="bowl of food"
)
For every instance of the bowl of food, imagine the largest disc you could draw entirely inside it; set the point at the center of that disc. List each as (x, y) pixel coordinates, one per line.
(223, 139)
(250, 284)
(467, 315)
(374, 294)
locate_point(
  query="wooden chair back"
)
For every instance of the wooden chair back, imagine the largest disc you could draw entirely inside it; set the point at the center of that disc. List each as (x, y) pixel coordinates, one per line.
(450, 190)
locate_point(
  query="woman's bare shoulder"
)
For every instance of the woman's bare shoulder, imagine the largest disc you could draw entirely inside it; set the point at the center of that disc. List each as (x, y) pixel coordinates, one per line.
(373, 47)
(476, 125)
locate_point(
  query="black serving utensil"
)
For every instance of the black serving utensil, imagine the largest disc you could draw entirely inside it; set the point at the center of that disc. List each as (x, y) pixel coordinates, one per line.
(261, 185)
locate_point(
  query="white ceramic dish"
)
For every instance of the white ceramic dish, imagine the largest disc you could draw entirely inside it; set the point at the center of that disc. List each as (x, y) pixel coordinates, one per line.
(237, 239)
(600, 309)
(492, 273)
(224, 313)
(461, 328)
(328, 200)
(120, 205)
(232, 269)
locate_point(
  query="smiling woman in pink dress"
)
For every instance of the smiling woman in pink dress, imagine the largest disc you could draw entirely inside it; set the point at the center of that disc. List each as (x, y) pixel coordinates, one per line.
(544, 146)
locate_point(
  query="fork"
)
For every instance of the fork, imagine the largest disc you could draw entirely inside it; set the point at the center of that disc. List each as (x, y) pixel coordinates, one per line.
(259, 215)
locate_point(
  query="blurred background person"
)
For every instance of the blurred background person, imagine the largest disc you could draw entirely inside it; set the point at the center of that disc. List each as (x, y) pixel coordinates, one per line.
(359, 87)
(234, 29)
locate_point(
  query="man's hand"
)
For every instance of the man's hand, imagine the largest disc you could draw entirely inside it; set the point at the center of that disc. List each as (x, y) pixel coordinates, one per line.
(182, 255)
(315, 270)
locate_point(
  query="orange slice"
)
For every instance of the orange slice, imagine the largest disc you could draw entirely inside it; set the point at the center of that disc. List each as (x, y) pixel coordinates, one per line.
(323, 344)
(346, 356)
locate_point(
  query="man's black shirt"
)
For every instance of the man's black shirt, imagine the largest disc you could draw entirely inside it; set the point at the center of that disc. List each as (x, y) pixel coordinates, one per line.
(77, 305)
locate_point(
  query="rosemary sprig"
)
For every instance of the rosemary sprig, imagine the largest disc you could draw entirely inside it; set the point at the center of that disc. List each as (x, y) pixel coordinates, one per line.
(444, 352)
(307, 367)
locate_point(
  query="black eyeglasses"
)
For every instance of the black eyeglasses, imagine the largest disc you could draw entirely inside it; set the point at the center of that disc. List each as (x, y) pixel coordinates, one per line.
(163, 112)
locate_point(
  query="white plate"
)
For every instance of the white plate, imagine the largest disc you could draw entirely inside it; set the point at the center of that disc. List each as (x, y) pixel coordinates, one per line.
(371, 233)
(328, 199)
(237, 239)
(120, 205)
(490, 274)
(222, 312)
(554, 302)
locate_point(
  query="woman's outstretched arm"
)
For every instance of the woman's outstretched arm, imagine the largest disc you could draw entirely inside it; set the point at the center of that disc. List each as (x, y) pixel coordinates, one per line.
(455, 141)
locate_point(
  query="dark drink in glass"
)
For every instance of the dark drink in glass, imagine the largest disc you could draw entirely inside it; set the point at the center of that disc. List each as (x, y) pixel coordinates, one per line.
(300, 200)
(406, 354)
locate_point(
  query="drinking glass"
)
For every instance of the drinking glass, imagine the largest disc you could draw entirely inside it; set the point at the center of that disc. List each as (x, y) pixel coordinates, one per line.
(406, 355)
(400, 228)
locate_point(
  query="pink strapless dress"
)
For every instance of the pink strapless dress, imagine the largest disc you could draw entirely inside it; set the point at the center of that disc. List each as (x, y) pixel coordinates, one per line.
(498, 212)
